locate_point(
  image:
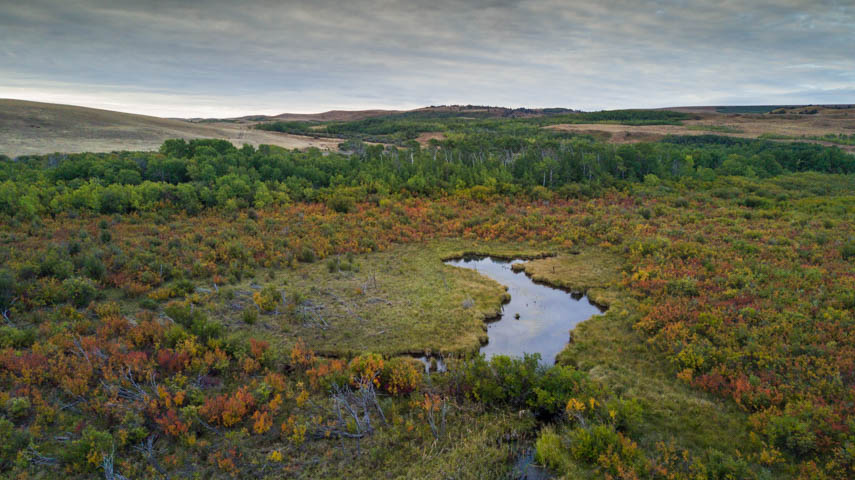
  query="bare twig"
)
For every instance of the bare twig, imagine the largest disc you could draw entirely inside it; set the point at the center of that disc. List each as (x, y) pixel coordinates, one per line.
(148, 451)
(109, 472)
(37, 458)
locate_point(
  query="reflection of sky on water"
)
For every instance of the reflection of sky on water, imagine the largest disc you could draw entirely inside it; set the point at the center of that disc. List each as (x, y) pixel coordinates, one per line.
(546, 314)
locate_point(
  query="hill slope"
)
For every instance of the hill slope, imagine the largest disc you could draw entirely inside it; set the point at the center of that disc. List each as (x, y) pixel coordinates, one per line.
(31, 128)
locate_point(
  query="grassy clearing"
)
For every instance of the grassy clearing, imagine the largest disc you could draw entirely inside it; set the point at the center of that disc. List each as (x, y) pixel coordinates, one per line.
(401, 301)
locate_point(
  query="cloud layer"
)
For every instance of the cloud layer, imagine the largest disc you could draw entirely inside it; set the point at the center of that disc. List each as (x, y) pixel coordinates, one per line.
(222, 58)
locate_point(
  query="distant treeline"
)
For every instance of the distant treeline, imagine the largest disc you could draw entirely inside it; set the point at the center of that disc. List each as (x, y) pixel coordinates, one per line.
(201, 174)
(397, 128)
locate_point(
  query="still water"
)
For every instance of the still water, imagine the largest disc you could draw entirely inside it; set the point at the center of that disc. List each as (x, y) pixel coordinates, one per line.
(538, 319)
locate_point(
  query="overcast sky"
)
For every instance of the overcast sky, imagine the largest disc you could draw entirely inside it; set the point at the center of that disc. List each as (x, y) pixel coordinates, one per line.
(189, 58)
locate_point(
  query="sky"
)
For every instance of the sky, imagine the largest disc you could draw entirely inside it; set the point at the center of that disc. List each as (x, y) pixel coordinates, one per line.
(224, 58)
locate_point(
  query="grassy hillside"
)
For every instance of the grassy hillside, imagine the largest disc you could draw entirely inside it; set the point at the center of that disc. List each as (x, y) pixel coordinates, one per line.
(32, 128)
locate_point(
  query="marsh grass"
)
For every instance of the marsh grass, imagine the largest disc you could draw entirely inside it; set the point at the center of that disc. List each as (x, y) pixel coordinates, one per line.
(400, 301)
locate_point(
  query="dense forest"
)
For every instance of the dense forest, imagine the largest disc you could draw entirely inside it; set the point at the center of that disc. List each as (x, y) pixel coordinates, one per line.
(212, 311)
(201, 174)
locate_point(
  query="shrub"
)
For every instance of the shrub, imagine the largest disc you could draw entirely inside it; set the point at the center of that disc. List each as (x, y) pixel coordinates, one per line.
(366, 368)
(15, 337)
(587, 444)
(194, 320)
(329, 373)
(550, 451)
(86, 453)
(18, 407)
(7, 288)
(12, 441)
(148, 304)
(401, 376)
(55, 264)
(848, 250)
(685, 287)
(182, 287)
(306, 255)
(503, 380)
(249, 316)
(79, 291)
(93, 267)
(792, 434)
(720, 465)
(626, 414)
(341, 203)
(555, 387)
(755, 202)
(228, 409)
(267, 299)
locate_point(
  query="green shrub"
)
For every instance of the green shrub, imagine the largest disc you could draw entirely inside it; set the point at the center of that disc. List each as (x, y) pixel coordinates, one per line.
(182, 287)
(55, 264)
(249, 316)
(503, 380)
(79, 291)
(341, 203)
(148, 304)
(720, 465)
(194, 320)
(12, 441)
(306, 255)
(587, 444)
(93, 444)
(628, 414)
(793, 435)
(847, 251)
(755, 202)
(333, 265)
(15, 337)
(93, 267)
(7, 288)
(18, 407)
(555, 387)
(550, 451)
(684, 287)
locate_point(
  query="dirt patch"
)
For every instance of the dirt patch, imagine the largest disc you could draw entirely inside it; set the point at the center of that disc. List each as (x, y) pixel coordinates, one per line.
(425, 138)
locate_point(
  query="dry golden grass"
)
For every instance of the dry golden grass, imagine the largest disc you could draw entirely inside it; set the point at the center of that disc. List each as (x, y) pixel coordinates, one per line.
(31, 128)
(707, 121)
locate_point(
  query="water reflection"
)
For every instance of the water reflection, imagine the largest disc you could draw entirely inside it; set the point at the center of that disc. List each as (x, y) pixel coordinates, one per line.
(538, 319)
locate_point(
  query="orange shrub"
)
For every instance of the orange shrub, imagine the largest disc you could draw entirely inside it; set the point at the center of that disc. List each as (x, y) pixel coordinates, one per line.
(401, 375)
(327, 373)
(261, 422)
(366, 368)
(302, 355)
(257, 348)
(228, 409)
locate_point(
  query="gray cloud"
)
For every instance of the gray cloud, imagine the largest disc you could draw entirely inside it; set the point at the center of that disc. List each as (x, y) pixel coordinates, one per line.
(223, 57)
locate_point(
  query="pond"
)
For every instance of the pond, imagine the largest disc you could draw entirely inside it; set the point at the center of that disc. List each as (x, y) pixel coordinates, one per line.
(538, 319)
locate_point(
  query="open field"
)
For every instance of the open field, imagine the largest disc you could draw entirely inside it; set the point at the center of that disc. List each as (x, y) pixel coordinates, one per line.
(31, 128)
(789, 126)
